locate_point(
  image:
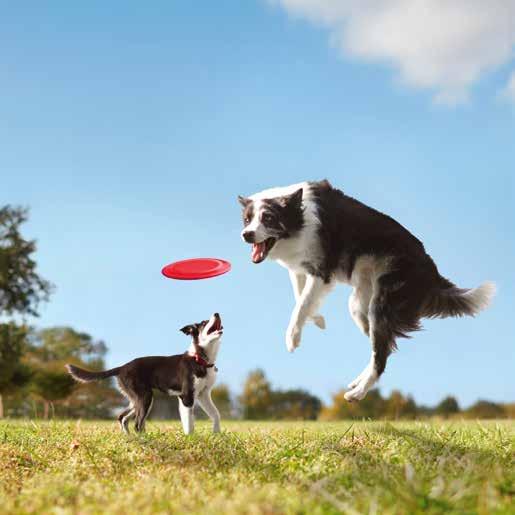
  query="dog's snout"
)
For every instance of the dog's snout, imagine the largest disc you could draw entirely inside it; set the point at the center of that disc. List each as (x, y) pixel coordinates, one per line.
(249, 236)
(216, 315)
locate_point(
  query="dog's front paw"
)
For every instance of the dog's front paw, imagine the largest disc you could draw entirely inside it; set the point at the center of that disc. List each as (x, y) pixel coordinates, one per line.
(293, 335)
(319, 321)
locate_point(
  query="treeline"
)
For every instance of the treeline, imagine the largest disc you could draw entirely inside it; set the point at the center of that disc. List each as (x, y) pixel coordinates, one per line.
(34, 383)
(398, 406)
(259, 400)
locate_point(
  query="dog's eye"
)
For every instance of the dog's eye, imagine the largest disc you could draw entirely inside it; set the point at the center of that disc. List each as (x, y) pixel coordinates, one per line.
(246, 220)
(267, 219)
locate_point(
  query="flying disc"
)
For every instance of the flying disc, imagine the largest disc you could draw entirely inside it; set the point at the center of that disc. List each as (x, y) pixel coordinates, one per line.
(197, 268)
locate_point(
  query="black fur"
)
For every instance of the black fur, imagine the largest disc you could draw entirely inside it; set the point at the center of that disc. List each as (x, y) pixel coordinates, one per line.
(349, 230)
(285, 214)
(248, 209)
(410, 286)
(138, 377)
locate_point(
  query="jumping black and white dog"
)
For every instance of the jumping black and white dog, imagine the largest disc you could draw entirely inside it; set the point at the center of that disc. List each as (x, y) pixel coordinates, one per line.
(322, 236)
(189, 376)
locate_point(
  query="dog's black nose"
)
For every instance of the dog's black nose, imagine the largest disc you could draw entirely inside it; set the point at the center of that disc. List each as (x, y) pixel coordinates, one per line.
(249, 236)
(217, 315)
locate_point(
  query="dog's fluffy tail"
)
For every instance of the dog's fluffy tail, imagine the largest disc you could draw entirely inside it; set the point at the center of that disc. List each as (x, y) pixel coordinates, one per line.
(451, 301)
(86, 376)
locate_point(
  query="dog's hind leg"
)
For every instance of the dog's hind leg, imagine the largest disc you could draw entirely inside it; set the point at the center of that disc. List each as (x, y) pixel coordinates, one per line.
(382, 343)
(382, 337)
(298, 281)
(207, 404)
(143, 407)
(359, 302)
(124, 417)
(187, 417)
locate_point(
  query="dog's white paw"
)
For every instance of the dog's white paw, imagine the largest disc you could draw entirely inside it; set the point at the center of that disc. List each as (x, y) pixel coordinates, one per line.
(293, 335)
(362, 384)
(356, 394)
(358, 379)
(319, 321)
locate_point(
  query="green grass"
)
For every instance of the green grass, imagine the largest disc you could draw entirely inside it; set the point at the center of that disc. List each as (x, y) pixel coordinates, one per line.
(372, 467)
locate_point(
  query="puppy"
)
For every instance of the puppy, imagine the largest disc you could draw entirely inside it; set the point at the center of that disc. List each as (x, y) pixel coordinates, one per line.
(189, 376)
(322, 236)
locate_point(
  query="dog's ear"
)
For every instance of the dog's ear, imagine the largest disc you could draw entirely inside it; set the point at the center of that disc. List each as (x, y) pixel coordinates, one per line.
(294, 200)
(187, 329)
(244, 201)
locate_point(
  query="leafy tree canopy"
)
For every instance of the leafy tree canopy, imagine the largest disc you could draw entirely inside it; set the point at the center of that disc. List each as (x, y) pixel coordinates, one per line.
(447, 406)
(21, 287)
(49, 350)
(256, 396)
(259, 401)
(13, 341)
(65, 343)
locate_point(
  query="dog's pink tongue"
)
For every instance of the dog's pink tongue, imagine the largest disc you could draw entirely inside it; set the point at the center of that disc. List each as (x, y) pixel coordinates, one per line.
(258, 252)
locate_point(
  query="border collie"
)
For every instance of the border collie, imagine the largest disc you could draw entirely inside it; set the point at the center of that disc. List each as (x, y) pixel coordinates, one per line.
(189, 376)
(322, 236)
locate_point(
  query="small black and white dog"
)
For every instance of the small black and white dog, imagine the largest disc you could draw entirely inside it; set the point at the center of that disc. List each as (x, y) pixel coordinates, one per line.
(189, 376)
(322, 236)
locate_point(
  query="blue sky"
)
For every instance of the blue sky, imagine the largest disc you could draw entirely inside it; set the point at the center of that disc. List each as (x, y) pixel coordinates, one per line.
(130, 129)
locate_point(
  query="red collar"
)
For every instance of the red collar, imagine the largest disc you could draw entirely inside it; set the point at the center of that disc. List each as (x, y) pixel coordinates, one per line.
(201, 361)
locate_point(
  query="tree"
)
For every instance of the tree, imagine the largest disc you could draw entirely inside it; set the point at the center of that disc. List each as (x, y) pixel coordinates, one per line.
(340, 408)
(13, 373)
(372, 406)
(50, 349)
(259, 401)
(294, 405)
(447, 407)
(51, 383)
(485, 409)
(509, 409)
(398, 406)
(256, 396)
(21, 288)
(61, 343)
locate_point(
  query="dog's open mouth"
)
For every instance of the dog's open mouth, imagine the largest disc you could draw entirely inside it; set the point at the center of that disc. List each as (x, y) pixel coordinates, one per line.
(261, 250)
(216, 326)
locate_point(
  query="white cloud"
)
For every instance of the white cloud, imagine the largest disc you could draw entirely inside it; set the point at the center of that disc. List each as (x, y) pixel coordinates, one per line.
(441, 45)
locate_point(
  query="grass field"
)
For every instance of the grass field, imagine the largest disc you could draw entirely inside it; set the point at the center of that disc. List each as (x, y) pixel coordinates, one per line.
(371, 467)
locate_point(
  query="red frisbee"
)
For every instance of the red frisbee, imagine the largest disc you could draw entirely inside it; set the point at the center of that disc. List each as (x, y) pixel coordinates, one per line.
(197, 268)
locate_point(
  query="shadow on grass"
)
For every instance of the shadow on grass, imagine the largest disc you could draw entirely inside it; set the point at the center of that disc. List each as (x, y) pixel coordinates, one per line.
(425, 469)
(443, 442)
